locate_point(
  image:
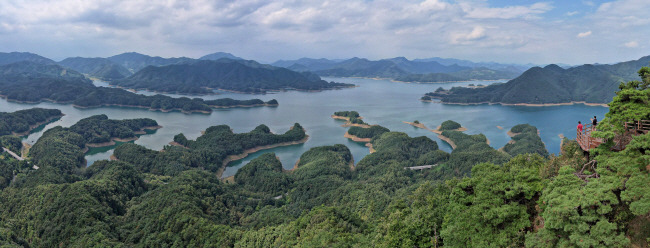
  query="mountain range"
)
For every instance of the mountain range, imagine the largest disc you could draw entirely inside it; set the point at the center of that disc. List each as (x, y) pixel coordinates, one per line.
(551, 84)
(227, 74)
(402, 69)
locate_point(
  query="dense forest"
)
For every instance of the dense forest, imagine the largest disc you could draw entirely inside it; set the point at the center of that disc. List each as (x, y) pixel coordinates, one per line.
(551, 84)
(32, 82)
(473, 197)
(23, 121)
(236, 75)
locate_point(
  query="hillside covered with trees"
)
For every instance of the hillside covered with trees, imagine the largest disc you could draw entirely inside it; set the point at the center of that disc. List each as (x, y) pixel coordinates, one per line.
(100, 68)
(551, 84)
(236, 75)
(474, 197)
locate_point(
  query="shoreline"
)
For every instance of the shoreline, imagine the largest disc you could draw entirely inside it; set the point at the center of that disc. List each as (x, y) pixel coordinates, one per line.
(525, 104)
(418, 125)
(418, 82)
(244, 106)
(174, 143)
(350, 124)
(438, 131)
(141, 107)
(440, 136)
(356, 139)
(36, 125)
(231, 158)
(363, 140)
(134, 90)
(445, 139)
(444, 82)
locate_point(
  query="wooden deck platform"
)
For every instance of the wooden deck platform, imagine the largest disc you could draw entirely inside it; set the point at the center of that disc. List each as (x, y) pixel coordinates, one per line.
(587, 142)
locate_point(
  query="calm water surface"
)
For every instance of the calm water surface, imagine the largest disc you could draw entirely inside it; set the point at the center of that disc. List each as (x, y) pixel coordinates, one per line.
(379, 101)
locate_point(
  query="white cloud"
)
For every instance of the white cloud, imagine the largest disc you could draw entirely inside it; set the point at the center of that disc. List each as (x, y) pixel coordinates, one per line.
(631, 44)
(475, 10)
(269, 30)
(584, 34)
(572, 13)
(477, 33)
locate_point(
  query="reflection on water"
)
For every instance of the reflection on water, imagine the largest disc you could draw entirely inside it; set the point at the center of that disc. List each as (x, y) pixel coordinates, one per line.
(378, 101)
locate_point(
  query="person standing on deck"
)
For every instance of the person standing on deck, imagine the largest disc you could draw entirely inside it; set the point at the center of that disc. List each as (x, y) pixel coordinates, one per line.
(594, 123)
(579, 127)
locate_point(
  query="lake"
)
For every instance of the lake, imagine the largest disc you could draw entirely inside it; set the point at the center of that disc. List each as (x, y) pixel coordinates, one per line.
(379, 101)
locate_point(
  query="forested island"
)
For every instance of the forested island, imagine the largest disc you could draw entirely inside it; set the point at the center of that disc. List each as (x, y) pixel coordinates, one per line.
(99, 131)
(22, 122)
(246, 76)
(34, 82)
(590, 84)
(212, 151)
(352, 118)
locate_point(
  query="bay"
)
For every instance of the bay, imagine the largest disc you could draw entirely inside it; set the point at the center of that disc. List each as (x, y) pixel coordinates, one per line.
(380, 102)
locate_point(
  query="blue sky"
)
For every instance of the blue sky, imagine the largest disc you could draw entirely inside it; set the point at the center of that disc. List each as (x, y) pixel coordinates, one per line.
(518, 31)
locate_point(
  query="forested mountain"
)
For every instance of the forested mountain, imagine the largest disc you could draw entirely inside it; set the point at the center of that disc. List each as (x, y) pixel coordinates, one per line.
(399, 68)
(13, 57)
(551, 84)
(33, 82)
(136, 61)
(220, 55)
(96, 67)
(243, 76)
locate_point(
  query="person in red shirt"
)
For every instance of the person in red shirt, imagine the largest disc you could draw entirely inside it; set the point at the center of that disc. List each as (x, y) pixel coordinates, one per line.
(579, 127)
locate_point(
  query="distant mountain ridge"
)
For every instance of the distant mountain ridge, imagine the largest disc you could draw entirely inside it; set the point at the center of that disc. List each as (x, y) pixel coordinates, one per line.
(31, 69)
(136, 61)
(236, 75)
(400, 69)
(220, 55)
(12, 57)
(101, 68)
(551, 84)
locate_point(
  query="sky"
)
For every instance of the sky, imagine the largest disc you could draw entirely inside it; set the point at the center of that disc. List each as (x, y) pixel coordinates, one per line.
(507, 31)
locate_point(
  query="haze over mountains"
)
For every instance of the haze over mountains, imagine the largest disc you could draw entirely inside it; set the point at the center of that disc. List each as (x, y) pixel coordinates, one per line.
(402, 69)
